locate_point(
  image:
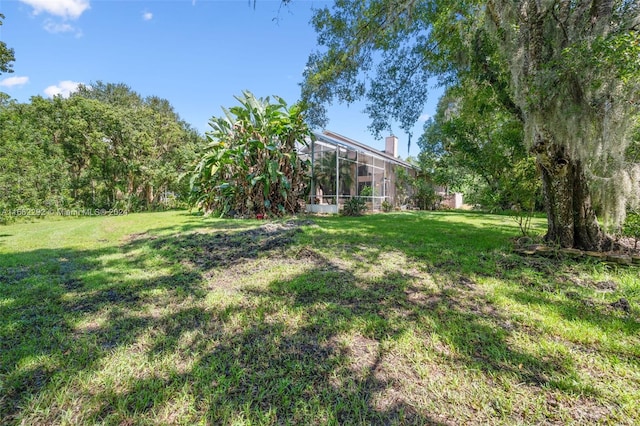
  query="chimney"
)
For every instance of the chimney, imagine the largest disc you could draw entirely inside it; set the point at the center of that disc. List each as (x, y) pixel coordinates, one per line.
(391, 146)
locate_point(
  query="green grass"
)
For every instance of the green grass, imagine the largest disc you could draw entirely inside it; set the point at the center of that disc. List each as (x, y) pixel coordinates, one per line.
(400, 318)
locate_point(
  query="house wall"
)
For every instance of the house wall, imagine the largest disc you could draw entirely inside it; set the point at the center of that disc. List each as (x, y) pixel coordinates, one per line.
(452, 201)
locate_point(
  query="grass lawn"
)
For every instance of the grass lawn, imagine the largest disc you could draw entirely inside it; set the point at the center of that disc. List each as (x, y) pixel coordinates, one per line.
(400, 318)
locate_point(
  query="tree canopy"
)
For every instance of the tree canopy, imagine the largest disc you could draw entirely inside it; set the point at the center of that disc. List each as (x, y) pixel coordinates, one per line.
(7, 55)
(569, 71)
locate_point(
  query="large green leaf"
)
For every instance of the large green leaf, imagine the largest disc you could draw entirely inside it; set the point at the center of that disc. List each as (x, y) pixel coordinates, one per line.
(273, 170)
(256, 179)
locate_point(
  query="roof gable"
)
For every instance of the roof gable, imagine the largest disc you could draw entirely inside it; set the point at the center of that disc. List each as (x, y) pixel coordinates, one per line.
(338, 139)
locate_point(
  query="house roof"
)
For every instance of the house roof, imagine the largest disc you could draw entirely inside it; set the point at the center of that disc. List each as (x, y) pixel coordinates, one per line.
(338, 139)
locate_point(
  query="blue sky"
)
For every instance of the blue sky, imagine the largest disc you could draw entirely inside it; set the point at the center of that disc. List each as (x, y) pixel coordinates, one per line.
(197, 54)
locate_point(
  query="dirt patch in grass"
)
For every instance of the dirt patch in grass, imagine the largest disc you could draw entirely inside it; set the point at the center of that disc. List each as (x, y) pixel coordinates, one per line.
(208, 250)
(140, 236)
(362, 353)
(589, 283)
(308, 254)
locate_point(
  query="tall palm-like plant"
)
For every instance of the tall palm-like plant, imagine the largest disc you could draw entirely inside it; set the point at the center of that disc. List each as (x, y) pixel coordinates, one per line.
(251, 165)
(325, 173)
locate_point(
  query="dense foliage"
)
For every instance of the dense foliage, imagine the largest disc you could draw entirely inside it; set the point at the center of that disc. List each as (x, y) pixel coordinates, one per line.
(483, 158)
(104, 147)
(6, 54)
(418, 190)
(631, 227)
(251, 166)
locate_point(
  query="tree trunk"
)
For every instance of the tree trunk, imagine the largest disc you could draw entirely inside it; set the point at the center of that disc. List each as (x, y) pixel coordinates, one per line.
(572, 222)
(149, 195)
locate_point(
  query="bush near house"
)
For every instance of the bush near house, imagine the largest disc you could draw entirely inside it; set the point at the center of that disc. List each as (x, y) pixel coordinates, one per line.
(251, 167)
(356, 206)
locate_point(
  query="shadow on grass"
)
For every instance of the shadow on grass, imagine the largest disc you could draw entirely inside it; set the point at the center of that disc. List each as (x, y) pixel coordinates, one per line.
(432, 238)
(391, 305)
(274, 355)
(271, 371)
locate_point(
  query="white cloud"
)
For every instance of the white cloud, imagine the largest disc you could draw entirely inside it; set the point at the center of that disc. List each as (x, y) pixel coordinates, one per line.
(63, 88)
(56, 27)
(424, 117)
(67, 9)
(147, 16)
(14, 81)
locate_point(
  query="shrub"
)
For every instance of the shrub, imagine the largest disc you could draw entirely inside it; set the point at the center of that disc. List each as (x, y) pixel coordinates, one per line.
(366, 191)
(631, 227)
(422, 190)
(523, 192)
(356, 206)
(387, 206)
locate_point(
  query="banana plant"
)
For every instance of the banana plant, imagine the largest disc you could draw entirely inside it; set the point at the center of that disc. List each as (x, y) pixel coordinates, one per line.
(251, 166)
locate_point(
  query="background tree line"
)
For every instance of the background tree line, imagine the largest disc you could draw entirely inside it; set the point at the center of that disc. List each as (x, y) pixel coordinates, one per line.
(104, 146)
